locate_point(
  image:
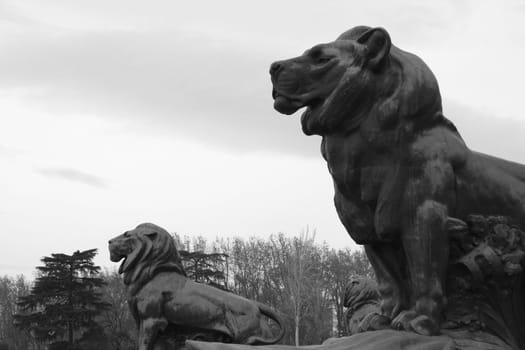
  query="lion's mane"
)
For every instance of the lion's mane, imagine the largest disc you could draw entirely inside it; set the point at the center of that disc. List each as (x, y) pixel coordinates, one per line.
(360, 291)
(404, 93)
(150, 255)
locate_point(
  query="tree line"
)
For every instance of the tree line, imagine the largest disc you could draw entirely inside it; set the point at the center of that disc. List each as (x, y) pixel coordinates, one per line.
(301, 279)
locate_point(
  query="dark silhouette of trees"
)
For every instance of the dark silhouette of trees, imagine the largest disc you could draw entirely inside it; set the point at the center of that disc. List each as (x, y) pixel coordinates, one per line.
(344, 265)
(64, 299)
(303, 280)
(10, 290)
(118, 324)
(204, 267)
(208, 268)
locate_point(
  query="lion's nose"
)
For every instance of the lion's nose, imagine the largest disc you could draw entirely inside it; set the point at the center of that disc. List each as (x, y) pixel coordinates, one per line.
(275, 67)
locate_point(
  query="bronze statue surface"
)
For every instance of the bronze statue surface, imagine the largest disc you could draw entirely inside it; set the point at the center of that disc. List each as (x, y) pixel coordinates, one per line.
(361, 300)
(401, 170)
(373, 340)
(163, 300)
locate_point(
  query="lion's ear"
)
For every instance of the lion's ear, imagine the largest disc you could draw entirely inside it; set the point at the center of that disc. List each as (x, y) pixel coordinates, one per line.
(378, 44)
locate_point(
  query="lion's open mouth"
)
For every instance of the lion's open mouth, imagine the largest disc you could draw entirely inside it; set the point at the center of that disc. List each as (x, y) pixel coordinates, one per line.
(124, 253)
(116, 253)
(284, 104)
(289, 105)
(116, 256)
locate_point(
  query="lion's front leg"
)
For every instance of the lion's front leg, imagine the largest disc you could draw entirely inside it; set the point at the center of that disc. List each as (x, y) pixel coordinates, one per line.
(386, 261)
(148, 330)
(429, 196)
(425, 242)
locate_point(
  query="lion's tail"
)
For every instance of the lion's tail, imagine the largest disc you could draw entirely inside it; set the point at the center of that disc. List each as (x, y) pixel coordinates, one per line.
(268, 312)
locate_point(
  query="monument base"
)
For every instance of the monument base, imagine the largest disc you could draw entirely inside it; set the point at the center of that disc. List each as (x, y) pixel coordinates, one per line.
(379, 340)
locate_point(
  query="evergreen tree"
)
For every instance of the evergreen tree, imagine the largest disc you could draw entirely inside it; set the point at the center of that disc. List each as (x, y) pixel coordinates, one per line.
(64, 298)
(206, 267)
(10, 290)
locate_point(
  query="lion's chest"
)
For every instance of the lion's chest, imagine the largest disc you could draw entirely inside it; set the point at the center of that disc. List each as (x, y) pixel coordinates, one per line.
(361, 177)
(358, 172)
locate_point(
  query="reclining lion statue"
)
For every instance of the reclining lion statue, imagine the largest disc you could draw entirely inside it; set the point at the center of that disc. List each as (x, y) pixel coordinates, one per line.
(162, 298)
(401, 170)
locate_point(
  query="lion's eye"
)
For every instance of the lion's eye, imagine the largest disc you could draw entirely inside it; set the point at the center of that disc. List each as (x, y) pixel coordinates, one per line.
(323, 59)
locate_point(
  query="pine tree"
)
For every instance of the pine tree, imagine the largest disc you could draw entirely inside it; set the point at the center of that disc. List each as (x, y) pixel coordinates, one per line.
(64, 298)
(206, 268)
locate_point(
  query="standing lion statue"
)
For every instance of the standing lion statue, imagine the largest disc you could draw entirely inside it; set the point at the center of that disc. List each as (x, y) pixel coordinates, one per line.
(164, 301)
(401, 170)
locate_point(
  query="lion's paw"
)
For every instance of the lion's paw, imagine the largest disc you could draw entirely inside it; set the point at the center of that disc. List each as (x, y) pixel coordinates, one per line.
(374, 322)
(424, 325)
(413, 322)
(402, 321)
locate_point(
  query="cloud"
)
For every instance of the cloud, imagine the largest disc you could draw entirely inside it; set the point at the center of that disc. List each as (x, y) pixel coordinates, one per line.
(190, 86)
(484, 132)
(190, 76)
(74, 176)
(4, 151)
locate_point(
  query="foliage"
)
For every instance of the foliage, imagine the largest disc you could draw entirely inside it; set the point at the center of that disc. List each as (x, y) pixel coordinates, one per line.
(301, 274)
(117, 322)
(302, 280)
(343, 266)
(10, 290)
(205, 267)
(64, 298)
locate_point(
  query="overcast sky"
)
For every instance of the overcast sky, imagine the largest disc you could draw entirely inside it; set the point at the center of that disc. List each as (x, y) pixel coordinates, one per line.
(120, 112)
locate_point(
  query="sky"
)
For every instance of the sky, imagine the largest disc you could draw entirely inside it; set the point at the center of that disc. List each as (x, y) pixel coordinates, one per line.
(119, 112)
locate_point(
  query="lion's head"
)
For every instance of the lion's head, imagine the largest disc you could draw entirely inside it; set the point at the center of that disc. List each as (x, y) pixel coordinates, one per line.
(359, 77)
(146, 250)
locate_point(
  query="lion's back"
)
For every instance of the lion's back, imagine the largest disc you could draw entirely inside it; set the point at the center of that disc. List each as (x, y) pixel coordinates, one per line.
(180, 292)
(165, 282)
(492, 186)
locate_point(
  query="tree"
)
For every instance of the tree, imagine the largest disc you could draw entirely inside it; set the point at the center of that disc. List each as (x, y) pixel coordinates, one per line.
(10, 290)
(64, 298)
(302, 280)
(205, 268)
(119, 326)
(318, 323)
(298, 278)
(343, 266)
